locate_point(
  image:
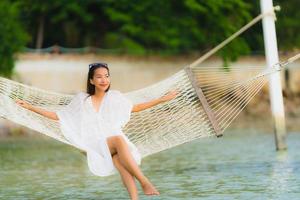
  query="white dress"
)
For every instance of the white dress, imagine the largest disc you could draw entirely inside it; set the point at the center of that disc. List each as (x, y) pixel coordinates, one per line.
(87, 129)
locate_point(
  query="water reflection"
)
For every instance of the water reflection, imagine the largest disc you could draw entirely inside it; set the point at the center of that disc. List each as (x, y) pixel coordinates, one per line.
(281, 175)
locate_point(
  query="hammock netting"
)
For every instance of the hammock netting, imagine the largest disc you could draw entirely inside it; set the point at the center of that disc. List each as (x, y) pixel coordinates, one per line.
(209, 99)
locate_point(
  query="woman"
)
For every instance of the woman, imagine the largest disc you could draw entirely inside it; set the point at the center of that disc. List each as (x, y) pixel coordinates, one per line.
(93, 121)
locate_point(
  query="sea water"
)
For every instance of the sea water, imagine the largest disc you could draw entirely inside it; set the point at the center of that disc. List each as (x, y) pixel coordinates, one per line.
(240, 165)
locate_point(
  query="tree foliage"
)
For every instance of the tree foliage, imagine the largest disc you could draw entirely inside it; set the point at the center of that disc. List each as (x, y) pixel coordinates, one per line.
(12, 36)
(154, 25)
(138, 27)
(288, 24)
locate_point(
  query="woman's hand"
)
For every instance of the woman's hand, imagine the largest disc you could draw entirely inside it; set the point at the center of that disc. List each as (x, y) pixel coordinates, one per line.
(169, 96)
(24, 104)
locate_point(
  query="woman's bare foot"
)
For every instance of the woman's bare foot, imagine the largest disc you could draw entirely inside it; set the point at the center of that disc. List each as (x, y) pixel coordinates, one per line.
(149, 189)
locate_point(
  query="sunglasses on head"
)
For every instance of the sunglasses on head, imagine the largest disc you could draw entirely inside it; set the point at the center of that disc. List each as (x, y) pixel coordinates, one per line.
(97, 65)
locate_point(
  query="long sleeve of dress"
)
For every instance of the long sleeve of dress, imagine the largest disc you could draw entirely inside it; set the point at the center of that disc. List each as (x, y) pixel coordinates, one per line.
(69, 119)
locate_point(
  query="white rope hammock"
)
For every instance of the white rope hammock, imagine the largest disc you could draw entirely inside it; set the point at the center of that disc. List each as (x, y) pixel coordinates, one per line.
(210, 99)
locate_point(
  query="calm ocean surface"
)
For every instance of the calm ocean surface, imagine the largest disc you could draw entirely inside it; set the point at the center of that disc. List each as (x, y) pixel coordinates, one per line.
(240, 165)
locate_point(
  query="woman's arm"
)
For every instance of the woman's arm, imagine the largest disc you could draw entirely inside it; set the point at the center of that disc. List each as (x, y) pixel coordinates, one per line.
(143, 106)
(45, 113)
(149, 104)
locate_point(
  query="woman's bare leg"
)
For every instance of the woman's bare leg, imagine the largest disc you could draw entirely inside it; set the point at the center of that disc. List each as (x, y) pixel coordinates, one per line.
(127, 178)
(118, 144)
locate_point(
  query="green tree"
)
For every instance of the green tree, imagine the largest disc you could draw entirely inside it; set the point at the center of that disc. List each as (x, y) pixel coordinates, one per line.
(155, 26)
(12, 36)
(176, 26)
(288, 24)
(55, 21)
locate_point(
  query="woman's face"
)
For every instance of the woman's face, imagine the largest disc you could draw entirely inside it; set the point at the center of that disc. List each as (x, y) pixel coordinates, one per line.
(101, 79)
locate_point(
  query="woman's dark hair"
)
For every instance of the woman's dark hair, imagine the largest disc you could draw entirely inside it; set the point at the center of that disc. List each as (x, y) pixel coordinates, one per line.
(90, 89)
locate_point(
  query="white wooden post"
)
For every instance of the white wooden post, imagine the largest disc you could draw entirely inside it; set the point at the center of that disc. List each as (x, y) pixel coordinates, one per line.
(271, 53)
